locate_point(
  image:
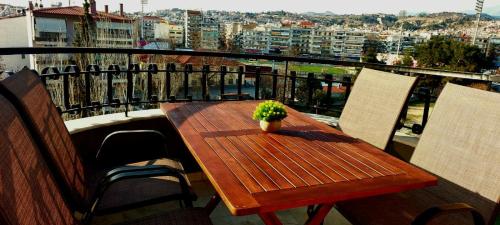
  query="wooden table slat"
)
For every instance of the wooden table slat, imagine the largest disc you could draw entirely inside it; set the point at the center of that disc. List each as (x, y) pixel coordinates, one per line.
(304, 163)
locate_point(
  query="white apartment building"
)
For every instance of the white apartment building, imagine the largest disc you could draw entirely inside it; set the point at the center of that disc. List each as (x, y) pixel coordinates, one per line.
(171, 33)
(300, 39)
(280, 38)
(149, 24)
(51, 27)
(256, 40)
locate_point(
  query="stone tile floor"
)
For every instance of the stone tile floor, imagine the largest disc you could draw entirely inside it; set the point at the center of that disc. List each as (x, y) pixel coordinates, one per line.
(221, 215)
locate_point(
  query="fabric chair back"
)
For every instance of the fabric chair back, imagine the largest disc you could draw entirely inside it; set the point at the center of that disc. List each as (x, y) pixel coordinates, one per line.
(28, 192)
(461, 143)
(30, 94)
(374, 106)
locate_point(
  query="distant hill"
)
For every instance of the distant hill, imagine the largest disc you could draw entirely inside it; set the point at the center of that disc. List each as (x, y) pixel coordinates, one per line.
(492, 11)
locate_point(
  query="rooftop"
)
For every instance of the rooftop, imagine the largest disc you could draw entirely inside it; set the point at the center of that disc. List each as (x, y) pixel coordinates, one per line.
(76, 11)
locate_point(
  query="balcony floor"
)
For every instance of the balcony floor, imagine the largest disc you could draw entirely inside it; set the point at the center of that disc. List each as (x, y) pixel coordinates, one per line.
(221, 215)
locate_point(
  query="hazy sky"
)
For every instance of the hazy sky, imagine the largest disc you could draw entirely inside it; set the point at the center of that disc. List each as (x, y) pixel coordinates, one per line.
(336, 6)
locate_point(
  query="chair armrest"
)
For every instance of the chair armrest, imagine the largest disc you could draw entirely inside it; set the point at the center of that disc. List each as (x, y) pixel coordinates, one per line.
(123, 147)
(125, 169)
(434, 212)
(186, 193)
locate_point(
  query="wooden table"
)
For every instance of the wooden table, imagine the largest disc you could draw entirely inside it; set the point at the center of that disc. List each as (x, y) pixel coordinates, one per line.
(305, 163)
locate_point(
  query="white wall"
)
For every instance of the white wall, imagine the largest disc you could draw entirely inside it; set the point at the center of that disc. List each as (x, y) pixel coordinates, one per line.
(14, 34)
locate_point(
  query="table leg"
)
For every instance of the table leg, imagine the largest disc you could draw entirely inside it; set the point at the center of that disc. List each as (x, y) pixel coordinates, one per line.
(270, 219)
(212, 203)
(318, 215)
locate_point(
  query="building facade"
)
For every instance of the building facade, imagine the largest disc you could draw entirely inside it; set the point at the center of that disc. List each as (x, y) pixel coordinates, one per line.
(58, 27)
(192, 29)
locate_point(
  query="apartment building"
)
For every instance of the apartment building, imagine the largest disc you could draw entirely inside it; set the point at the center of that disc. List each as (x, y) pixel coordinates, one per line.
(210, 34)
(149, 24)
(192, 29)
(256, 39)
(170, 33)
(58, 26)
(10, 10)
(300, 39)
(280, 39)
(348, 43)
(321, 41)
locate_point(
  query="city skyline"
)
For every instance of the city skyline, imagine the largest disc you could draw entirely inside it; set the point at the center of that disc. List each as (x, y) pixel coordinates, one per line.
(334, 6)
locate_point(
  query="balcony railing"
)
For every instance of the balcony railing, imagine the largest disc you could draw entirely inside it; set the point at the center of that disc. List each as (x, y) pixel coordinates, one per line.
(279, 84)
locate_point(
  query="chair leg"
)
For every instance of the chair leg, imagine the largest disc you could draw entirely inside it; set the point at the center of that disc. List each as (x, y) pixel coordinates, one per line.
(270, 219)
(212, 203)
(317, 214)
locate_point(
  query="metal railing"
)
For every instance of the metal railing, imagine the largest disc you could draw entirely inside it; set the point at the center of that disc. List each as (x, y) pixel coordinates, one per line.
(289, 80)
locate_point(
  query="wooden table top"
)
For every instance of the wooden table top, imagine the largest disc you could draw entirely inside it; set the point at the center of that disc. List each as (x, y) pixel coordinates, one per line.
(305, 163)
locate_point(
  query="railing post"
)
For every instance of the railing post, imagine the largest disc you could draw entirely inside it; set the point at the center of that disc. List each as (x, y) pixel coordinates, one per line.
(275, 84)
(204, 78)
(129, 83)
(329, 79)
(257, 82)
(109, 84)
(86, 78)
(132, 69)
(223, 72)
(283, 98)
(152, 69)
(293, 80)
(310, 77)
(240, 81)
(67, 105)
(347, 82)
(427, 105)
(187, 70)
(168, 78)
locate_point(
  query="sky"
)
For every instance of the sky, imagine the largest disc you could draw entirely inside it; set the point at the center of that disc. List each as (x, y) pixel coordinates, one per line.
(335, 6)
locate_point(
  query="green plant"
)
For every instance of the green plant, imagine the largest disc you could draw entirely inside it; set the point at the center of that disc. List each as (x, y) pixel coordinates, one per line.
(270, 111)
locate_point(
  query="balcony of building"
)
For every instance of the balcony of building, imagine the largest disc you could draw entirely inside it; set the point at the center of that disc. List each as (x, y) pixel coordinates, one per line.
(98, 99)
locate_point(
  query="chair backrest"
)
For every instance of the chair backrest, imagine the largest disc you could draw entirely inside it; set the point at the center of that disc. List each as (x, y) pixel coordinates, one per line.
(374, 106)
(31, 97)
(28, 192)
(461, 142)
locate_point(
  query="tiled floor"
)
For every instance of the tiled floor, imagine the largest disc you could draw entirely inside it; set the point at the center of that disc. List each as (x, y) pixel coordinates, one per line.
(221, 215)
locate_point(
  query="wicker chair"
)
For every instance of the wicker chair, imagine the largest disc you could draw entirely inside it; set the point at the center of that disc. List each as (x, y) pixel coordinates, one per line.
(374, 106)
(461, 145)
(81, 179)
(29, 194)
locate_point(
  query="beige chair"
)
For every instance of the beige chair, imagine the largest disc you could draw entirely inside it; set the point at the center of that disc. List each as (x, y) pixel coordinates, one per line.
(374, 106)
(461, 145)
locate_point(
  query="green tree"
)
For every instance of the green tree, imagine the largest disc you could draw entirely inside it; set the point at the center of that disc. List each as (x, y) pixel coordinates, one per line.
(370, 56)
(447, 53)
(407, 59)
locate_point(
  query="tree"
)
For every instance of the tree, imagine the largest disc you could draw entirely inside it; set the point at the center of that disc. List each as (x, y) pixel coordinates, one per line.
(407, 59)
(447, 53)
(370, 56)
(294, 50)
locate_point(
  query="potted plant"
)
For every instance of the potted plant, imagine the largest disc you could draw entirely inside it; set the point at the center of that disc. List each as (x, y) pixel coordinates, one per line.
(270, 113)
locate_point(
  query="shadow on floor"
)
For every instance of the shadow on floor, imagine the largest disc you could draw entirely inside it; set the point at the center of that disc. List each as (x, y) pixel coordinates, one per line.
(221, 215)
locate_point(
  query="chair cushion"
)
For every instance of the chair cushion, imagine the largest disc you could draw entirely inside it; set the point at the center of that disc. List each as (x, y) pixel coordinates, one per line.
(402, 208)
(141, 190)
